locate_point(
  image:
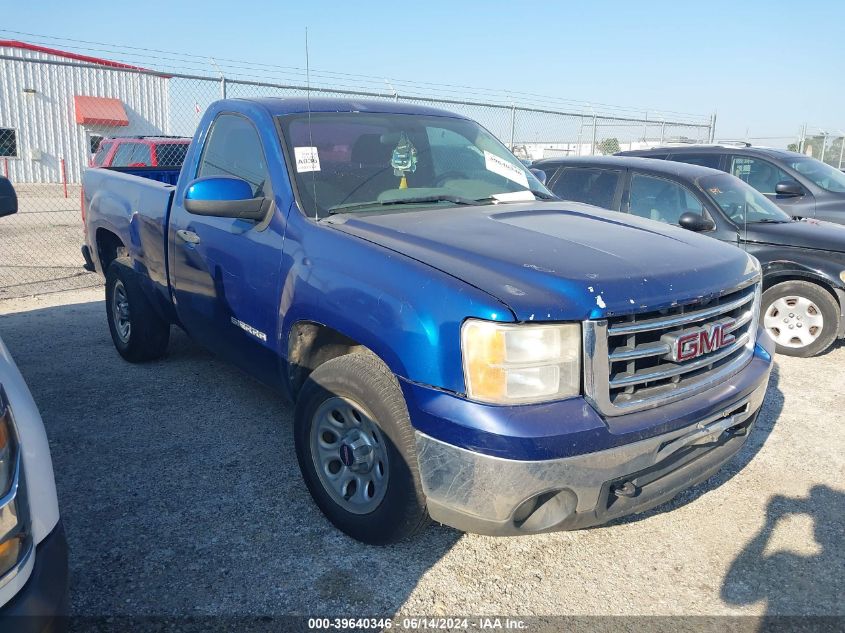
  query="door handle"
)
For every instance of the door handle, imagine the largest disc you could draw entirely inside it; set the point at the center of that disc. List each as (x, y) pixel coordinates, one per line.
(189, 237)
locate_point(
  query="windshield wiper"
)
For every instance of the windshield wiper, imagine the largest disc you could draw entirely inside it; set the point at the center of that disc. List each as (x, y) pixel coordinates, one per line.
(417, 200)
(543, 195)
(769, 221)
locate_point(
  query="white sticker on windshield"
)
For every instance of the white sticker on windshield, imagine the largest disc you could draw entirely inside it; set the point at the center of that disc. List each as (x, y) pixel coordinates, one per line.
(306, 159)
(504, 168)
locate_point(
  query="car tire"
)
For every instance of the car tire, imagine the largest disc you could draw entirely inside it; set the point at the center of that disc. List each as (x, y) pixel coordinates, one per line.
(138, 332)
(356, 450)
(802, 318)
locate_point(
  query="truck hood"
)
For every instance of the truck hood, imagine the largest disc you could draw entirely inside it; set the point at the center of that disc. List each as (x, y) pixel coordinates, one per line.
(824, 236)
(560, 261)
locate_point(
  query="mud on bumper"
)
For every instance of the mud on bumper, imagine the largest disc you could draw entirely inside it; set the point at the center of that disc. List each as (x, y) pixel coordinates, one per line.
(489, 495)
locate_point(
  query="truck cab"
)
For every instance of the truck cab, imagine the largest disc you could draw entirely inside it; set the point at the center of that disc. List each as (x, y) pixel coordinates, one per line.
(458, 344)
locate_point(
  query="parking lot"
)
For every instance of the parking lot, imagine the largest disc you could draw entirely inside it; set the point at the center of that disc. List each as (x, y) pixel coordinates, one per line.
(180, 493)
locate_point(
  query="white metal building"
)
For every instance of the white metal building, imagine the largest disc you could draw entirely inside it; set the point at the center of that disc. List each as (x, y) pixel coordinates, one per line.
(55, 106)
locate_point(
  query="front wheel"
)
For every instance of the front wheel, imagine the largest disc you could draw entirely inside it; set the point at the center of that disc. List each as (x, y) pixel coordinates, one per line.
(355, 447)
(801, 317)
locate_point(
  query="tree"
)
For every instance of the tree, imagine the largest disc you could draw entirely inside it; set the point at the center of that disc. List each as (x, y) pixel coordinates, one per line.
(609, 146)
(792, 147)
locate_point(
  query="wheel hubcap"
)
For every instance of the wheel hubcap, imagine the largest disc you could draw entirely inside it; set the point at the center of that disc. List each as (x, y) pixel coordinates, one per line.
(349, 455)
(793, 321)
(120, 312)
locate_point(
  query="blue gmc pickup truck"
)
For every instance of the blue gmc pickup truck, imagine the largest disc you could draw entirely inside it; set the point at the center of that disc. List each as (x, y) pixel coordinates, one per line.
(458, 343)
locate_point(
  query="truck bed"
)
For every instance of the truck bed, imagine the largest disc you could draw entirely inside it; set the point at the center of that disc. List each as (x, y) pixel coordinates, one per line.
(132, 203)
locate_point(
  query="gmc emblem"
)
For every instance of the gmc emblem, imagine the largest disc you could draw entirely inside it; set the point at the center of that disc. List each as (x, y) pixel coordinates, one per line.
(692, 343)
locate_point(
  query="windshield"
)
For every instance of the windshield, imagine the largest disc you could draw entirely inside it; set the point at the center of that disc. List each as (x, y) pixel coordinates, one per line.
(820, 173)
(742, 203)
(358, 161)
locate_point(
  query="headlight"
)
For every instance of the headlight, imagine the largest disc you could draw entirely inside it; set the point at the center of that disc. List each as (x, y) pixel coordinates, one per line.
(13, 510)
(519, 363)
(842, 275)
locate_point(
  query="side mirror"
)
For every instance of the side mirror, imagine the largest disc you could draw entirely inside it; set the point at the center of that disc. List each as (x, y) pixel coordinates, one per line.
(696, 222)
(539, 174)
(789, 189)
(224, 197)
(8, 198)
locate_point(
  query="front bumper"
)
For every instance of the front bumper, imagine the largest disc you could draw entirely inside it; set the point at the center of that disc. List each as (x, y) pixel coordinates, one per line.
(41, 606)
(477, 490)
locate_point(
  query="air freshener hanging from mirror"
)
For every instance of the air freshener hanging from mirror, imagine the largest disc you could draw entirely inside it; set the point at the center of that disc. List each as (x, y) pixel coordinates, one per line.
(404, 160)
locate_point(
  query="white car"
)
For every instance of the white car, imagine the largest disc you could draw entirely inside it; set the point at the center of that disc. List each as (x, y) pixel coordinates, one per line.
(33, 548)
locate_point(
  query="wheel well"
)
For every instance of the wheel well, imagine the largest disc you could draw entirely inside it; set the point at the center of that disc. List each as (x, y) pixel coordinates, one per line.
(768, 282)
(312, 344)
(109, 247)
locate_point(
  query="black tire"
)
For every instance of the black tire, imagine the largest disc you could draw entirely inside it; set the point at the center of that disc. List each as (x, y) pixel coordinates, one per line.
(826, 305)
(365, 379)
(148, 334)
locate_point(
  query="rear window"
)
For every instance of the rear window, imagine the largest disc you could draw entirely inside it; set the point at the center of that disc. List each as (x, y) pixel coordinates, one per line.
(171, 154)
(588, 185)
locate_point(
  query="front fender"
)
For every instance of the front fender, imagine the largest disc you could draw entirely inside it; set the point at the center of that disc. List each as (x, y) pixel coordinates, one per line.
(406, 312)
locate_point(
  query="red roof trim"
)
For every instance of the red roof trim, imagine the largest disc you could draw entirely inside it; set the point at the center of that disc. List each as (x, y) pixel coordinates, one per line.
(75, 56)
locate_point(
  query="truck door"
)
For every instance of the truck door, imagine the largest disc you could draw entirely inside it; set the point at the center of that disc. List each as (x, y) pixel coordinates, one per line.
(224, 271)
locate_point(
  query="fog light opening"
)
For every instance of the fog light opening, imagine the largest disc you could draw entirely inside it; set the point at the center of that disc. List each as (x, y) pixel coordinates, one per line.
(545, 510)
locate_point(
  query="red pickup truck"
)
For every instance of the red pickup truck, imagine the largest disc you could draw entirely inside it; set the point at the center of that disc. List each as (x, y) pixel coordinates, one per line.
(141, 151)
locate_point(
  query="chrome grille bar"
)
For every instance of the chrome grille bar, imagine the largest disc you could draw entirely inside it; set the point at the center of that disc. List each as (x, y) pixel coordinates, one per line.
(662, 323)
(677, 370)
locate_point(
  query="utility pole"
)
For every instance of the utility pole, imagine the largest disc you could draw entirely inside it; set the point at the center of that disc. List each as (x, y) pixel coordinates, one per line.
(841, 147)
(593, 148)
(802, 142)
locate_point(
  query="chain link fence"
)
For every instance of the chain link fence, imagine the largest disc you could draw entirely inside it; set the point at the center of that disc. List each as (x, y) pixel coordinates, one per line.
(59, 117)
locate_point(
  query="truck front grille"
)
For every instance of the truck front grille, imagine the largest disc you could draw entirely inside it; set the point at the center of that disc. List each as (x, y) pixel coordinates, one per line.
(629, 360)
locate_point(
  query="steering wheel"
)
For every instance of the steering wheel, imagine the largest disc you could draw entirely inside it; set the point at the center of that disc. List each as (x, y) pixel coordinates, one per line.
(449, 175)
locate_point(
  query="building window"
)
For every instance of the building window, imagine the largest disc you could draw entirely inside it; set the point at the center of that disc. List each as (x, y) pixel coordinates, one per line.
(8, 143)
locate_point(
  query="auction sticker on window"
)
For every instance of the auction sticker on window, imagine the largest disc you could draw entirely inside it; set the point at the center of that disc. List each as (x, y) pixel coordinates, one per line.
(504, 168)
(306, 159)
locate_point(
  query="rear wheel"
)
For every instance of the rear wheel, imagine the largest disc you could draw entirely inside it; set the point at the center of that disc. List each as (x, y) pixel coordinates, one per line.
(139, 334)
(801, 317)
(355, 447)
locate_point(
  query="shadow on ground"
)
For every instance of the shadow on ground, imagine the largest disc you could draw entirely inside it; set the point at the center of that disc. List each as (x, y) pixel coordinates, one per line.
(793, 582)
(179, 486)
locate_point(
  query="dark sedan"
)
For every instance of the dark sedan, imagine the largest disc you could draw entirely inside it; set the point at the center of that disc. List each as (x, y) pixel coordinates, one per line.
(803, 260)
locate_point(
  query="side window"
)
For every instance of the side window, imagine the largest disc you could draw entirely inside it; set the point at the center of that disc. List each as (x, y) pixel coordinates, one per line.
(705, 160)
(142, 155)
(233, 148)
(760, 174)
(101, 154)
(592, 186)
(661, 200)
(123, 155)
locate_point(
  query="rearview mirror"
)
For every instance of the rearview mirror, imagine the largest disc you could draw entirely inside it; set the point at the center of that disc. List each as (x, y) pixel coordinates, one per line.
(696, 222)
(224, 197)
(789, 189)
(8, 198)
(539, 174)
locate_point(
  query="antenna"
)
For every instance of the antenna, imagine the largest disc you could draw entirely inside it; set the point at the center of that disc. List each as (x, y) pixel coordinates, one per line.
(310, 136)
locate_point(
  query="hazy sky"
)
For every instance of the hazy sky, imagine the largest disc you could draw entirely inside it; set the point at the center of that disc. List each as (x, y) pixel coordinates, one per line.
(765, 67)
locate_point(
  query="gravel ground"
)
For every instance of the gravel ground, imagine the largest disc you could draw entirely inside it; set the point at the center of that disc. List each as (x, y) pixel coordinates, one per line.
(181, 495)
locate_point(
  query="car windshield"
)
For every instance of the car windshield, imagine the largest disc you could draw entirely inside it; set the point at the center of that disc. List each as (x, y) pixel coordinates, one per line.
(820, 173)
(741, 203)
(358, 162)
